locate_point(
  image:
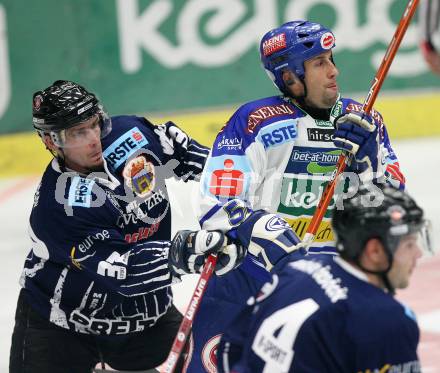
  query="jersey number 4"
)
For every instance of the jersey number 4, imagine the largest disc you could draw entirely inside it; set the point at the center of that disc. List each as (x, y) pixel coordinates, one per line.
(277, 352)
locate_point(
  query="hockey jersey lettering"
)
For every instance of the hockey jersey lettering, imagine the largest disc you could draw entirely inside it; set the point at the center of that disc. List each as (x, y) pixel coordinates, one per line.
(80, 192)
(320, 134)
(142, 233)
(119, 151)
(324, 278)
(317, 317)
(277, 134)
(229, 143)
(266, 112)
(87, 324)
(87, 243)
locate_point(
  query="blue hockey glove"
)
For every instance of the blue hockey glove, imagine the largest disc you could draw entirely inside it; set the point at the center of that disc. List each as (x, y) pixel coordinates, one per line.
(266, 236)
(190, 249)
(357, 134)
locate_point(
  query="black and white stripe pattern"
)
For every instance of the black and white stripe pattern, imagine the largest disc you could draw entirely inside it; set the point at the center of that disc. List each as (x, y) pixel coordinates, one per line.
(148, 269)
(194, 161)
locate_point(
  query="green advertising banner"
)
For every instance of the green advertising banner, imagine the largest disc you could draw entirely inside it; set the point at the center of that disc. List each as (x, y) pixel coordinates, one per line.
(157, 56)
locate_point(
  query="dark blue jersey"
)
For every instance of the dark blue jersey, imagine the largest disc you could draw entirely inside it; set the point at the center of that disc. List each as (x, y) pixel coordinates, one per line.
(99, 256)
(134, 155)
(81, 273)
(321, 315)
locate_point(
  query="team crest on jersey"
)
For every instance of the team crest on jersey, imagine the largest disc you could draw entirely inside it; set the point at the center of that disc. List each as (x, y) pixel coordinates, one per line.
(139, 176)
(209, 354)
(276, 224)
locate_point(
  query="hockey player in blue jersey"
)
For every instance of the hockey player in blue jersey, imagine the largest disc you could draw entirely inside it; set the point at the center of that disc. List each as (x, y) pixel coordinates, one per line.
(96, 283)
(274, 156)
(325, 314)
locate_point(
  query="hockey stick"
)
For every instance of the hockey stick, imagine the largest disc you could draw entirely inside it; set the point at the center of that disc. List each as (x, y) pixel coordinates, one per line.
(376, 84)
(188, 317)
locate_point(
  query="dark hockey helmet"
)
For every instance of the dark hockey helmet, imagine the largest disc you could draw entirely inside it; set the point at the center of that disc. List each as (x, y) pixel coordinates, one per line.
(63, 105)
(288, 46)
(378, 212)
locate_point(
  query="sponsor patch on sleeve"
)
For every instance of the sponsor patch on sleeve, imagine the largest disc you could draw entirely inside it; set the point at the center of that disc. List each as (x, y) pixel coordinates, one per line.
(122, 148)
(80, 192)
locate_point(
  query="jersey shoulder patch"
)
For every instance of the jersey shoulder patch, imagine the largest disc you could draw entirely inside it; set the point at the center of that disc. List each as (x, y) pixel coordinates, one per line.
(80, 192)
(124, 146)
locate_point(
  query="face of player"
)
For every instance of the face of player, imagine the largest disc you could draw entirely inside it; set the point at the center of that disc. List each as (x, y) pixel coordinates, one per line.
(404, 261)
(83, 151)
(320, 80)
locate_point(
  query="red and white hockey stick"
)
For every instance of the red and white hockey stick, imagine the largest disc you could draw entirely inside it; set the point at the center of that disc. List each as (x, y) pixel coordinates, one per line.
(376, 84)
(188, 317)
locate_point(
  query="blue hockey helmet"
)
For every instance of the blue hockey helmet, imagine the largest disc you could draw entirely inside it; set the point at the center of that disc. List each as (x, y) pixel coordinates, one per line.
(288, 46)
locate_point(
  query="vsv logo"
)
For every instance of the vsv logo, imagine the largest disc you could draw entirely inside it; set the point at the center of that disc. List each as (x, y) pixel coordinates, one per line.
(5, 83)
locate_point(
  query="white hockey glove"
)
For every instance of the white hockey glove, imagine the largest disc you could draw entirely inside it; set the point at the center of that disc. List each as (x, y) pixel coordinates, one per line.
(357, 134)
(267, 236)
(190, 249)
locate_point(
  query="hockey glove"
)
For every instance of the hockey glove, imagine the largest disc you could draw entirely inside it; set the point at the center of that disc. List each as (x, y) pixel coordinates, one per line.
(173, 140)
(267, 236)
(178, 145)
(229, 258)
(357, 134)
(189, 251)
